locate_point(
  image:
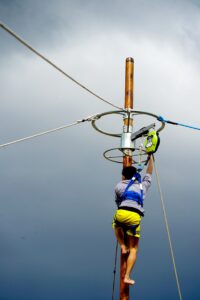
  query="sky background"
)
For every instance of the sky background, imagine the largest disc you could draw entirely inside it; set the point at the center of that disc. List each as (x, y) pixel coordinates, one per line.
(57, 199)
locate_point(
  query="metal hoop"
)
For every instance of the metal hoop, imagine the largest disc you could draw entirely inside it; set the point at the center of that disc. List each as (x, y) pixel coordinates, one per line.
(116, 158)
(124, 113)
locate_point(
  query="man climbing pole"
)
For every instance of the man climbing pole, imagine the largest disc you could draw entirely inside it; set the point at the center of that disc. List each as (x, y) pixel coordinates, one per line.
(130, 193)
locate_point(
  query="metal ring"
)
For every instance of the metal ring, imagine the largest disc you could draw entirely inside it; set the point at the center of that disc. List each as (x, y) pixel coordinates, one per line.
(115, 158)
(124, 113)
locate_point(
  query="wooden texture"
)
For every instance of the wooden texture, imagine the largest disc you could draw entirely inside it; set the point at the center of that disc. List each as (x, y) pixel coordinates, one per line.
(127, 161)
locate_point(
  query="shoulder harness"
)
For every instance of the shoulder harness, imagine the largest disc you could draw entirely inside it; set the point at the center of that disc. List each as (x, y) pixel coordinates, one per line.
(132, 195)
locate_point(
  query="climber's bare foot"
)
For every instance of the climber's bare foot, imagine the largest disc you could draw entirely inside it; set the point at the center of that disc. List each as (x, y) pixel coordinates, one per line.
(124, 249)
(128, 280)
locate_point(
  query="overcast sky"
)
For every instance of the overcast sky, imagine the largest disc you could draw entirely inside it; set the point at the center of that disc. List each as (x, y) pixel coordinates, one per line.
(57, 198)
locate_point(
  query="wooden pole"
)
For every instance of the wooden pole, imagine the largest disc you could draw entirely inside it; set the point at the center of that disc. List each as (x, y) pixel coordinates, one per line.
(127, 161)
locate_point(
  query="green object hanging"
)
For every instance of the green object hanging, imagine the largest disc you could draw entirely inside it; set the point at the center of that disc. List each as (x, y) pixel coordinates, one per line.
(152, 142)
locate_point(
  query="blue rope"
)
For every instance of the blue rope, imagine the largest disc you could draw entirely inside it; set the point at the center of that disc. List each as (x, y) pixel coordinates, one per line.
(161, 119)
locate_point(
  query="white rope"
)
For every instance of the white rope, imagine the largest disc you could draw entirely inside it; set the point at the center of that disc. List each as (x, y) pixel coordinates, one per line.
(53, 65)
(47, 131)
(168, 232)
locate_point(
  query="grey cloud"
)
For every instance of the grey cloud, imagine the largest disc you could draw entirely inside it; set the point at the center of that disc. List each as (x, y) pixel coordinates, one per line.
(53, 22)
(57, 191)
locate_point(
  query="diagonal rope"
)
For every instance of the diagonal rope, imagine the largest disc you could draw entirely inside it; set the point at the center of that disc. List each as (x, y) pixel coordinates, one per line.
(168, 232)
(161, 119)
(3, 26)
(114, 271)
(46, 132)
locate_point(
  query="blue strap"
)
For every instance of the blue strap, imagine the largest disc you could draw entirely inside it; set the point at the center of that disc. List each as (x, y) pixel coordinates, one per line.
(161, 119)
(131, 195)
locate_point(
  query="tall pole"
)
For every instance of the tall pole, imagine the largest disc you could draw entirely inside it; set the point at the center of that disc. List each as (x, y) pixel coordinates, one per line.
(127, 159)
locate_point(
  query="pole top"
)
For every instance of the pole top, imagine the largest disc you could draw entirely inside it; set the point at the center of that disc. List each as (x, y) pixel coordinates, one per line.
(129, 59)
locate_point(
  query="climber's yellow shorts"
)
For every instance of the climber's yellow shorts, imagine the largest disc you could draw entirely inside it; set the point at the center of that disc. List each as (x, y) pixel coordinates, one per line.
(128, 220)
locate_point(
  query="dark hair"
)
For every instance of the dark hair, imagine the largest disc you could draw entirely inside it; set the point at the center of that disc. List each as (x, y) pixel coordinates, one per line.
(129, 172)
